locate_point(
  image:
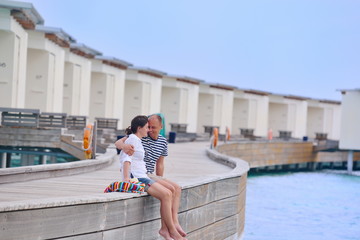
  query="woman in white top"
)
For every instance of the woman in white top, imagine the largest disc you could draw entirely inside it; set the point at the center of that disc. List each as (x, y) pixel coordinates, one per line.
(134, 166)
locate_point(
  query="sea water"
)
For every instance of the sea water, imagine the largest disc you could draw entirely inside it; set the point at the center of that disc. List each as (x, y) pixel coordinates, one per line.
(303, 206)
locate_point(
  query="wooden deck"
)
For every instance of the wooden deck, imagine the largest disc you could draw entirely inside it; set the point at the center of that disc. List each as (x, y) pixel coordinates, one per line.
(186, 163)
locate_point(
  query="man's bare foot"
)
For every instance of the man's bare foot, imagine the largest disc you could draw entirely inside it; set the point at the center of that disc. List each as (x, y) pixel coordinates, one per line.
(165, 234)
(180, 230)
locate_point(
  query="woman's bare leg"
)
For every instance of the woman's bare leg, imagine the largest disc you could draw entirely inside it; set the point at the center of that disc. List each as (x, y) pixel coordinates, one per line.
(176, 191)
(165, 196)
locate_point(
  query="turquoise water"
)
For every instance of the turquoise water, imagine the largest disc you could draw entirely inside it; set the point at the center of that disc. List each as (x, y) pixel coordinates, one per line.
(303, 206)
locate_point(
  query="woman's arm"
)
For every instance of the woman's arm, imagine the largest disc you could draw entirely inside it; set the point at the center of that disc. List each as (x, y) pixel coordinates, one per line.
(126, 171)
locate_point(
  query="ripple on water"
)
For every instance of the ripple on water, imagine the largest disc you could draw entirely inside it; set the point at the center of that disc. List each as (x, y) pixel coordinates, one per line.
(304, 206)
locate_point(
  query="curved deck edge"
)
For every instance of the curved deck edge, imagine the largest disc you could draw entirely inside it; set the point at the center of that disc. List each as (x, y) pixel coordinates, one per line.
(210, 209)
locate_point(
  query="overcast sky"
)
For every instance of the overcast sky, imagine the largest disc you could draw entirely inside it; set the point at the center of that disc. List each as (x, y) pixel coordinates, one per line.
(306, 48)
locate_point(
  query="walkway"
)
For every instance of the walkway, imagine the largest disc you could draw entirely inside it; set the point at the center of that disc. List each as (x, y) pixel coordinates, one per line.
(186, 163)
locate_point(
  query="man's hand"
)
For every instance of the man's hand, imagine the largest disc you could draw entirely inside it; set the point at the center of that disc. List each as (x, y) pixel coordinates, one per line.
(160, 166)
(127, 148)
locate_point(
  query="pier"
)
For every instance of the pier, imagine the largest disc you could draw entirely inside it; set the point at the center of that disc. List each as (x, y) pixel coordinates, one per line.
(75, 207)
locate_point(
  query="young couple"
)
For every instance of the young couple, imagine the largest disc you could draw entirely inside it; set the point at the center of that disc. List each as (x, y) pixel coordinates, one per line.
(142, 155)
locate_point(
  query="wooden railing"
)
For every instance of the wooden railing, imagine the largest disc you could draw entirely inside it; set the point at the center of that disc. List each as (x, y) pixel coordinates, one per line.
(52, 120)
(178, 127)
(107, 123)
(76, 122)
(19, 117)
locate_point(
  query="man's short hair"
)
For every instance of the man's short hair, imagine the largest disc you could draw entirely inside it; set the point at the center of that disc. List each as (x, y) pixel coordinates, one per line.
(157, 117)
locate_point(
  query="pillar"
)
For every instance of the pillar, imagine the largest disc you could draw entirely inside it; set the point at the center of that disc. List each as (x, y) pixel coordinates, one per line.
(350, 161)
(3, 159)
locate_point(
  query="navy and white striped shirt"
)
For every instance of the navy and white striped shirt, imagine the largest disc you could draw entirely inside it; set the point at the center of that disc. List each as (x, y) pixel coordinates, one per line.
(153, 150)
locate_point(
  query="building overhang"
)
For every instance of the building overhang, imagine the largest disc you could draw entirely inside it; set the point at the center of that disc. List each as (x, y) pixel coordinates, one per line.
(343, 91)
(256, 92)
(222, 86)
(56, 35)
(24, 13)
(114, 62)
(293, 97)
(186, 79)
(149, 71)
(83, 50)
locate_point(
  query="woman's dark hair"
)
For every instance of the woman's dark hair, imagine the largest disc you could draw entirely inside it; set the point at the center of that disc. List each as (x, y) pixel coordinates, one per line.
(138, 121)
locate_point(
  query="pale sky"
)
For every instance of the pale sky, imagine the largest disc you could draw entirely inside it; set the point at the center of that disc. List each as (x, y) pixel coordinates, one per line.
(306, 48)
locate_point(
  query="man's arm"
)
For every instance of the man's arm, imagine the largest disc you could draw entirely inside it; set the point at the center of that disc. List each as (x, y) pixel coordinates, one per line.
(127, 148)
(160, 166)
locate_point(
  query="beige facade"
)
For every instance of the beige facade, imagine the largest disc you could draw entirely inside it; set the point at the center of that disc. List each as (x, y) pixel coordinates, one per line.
(142, 93)
(250, 110)
(215, 107)
(323, 117)
(45, 73)
(107, 88)
(287, 113)
(13, 48)
(350, 119)
(179, 101)
(77, 82)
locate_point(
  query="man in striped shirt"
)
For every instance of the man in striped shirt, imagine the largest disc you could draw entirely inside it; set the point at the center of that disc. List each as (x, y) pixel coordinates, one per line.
(156, 149)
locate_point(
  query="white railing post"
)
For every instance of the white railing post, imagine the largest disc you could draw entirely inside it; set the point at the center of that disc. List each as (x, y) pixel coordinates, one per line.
(350, 161)
(3, 159)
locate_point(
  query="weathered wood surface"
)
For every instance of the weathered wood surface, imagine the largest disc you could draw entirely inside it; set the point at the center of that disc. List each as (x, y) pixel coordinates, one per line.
(74, 207)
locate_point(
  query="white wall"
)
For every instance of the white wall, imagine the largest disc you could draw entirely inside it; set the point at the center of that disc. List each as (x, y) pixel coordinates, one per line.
(13, 49)
(76, 91)
(107, 92)
(287, 114)
(142, 95)
(45, 74)
(240, 115)
(132, 101)
(205, 111)
(192, 108)
(179, 103)
(170, 105)
(350, 121)
(315, 121)
(323, 118)
(215, 108)
(250, 111)
(278, 118)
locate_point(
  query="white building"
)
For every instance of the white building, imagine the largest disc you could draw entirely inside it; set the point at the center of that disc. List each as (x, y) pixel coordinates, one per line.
(15, 19)
(215, 107)
(288, 113)
(142, 92)
(250, 111)
(77, 81)
(350, 120)
(323, 117)
(179, 101)
(107, 88)
(45, 71)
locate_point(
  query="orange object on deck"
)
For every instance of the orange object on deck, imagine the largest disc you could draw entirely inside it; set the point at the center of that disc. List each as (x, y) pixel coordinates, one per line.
(216, 136)
(88, 134)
